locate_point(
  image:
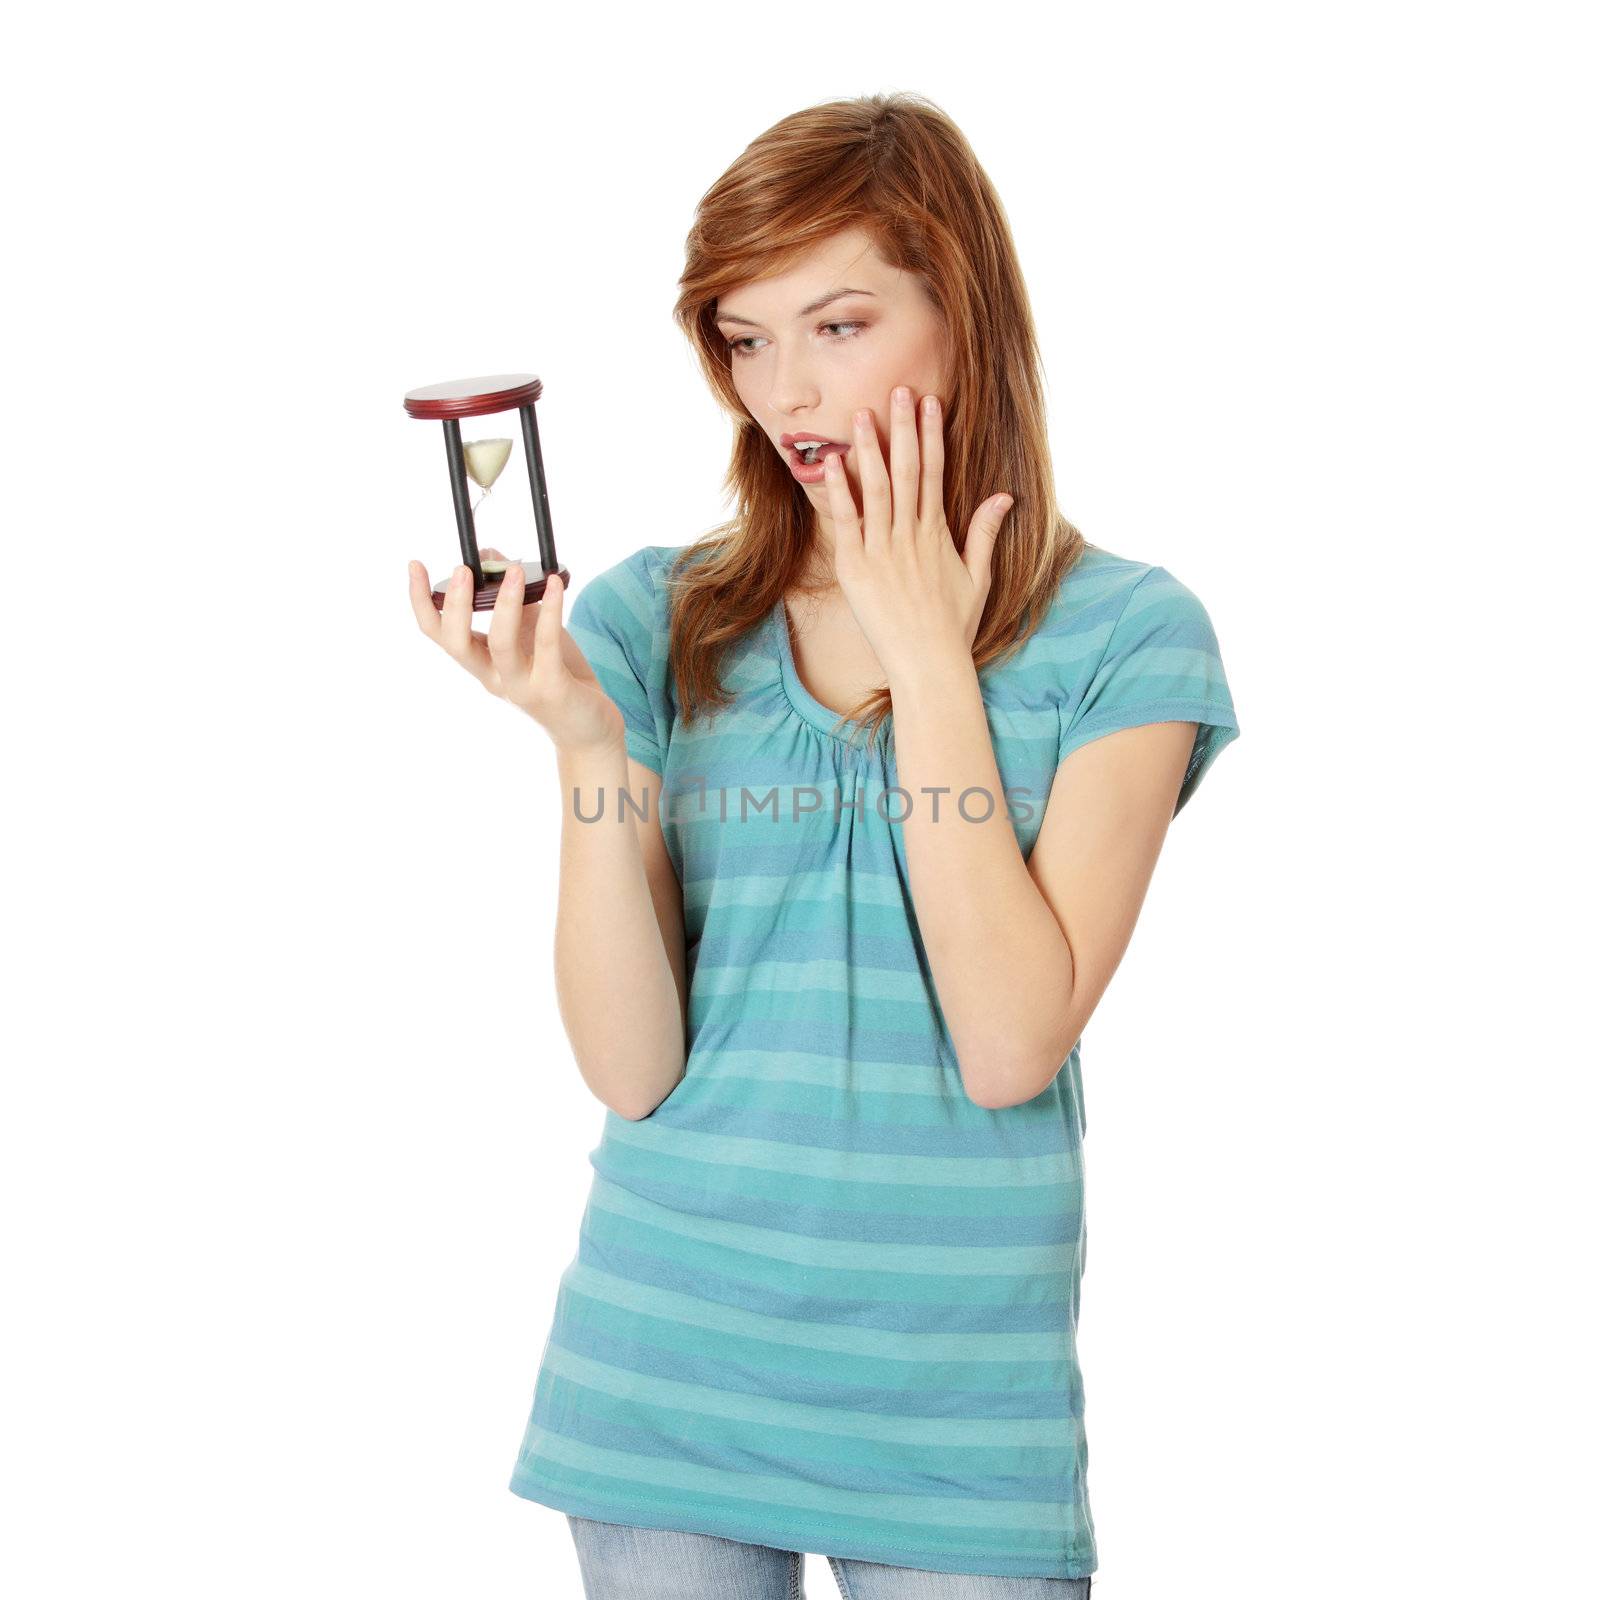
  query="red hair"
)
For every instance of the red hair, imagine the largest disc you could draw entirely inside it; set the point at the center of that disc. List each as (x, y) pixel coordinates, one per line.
(897, 168)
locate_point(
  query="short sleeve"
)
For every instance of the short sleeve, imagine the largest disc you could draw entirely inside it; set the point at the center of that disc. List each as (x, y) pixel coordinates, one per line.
(1161, 663)
(615, 622)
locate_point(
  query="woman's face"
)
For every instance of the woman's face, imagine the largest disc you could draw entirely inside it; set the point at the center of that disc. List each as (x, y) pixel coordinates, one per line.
(803, 367)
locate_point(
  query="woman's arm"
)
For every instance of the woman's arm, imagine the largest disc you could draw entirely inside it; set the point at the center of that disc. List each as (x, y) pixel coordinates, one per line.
(619, 942)
(1021, 951)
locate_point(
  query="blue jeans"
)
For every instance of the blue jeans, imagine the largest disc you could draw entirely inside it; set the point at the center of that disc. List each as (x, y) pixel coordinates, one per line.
(623, 1563)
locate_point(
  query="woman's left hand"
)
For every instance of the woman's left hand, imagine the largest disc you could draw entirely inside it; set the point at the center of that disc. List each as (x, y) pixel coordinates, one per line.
(913, 593)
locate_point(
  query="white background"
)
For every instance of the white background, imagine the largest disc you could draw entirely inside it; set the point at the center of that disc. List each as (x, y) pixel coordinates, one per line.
(294, 1150)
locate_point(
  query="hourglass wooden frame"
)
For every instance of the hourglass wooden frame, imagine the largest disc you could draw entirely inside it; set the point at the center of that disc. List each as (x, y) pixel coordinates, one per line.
(483, 397)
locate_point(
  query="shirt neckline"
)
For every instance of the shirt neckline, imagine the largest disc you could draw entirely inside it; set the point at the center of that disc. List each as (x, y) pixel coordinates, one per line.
(804, 703)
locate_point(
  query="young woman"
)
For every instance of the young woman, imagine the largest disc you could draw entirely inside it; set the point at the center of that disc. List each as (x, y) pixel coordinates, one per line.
(828, 972)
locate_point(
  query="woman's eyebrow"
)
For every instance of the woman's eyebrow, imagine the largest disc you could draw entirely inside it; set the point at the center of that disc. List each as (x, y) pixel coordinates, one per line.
(804, 311)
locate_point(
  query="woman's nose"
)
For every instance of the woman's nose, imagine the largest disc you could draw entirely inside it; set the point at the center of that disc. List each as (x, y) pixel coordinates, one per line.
(792, 388)
(793, 403)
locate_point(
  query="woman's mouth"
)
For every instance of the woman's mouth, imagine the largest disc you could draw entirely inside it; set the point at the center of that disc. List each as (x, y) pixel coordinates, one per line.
(806, 458)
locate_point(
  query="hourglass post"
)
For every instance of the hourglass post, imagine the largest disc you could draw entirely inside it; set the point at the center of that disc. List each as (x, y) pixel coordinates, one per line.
(460, 494)
(482, 460)
(541, 500)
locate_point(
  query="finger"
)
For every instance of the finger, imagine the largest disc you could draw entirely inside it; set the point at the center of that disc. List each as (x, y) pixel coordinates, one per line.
(930, 499)
(841, 507)
(422, 606)
(505, 627)
(572, 656)
(982, 533)
(547, 661)
(874, 475)
(455, 626)
(904, 467)
(548, 664)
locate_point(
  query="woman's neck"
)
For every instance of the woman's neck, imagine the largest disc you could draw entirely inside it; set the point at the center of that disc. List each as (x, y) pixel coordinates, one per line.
(817, 577)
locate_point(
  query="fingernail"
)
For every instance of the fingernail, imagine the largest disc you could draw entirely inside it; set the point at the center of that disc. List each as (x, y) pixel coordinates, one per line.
(1004, 503)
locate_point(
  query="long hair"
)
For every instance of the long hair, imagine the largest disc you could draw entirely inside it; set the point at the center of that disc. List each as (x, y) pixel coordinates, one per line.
(896, 167)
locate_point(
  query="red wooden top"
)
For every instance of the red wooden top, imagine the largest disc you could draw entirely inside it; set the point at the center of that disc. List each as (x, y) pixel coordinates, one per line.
(474, 397)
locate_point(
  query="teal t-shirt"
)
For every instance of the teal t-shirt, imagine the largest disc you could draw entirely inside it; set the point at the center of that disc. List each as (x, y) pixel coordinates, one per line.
(821, 1300)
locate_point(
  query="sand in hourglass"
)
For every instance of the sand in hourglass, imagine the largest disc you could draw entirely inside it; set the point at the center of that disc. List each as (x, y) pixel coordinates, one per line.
(485, 461)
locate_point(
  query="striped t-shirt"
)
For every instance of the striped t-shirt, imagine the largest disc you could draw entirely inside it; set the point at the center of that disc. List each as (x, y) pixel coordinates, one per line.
(821, 1300)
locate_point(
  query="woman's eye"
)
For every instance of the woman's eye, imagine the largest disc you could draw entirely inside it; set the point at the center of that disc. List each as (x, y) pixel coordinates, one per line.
(740, 346)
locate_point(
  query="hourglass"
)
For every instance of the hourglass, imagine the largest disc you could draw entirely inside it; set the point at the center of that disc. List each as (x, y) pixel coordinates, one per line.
(481, 461)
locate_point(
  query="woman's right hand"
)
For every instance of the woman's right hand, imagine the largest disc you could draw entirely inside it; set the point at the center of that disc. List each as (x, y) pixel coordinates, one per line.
(527, 656)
